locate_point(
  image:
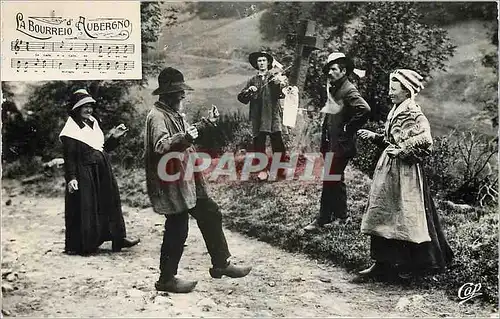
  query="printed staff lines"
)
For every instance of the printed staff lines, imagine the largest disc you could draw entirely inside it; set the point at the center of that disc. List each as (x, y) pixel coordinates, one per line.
(61, 46)
(70, 64)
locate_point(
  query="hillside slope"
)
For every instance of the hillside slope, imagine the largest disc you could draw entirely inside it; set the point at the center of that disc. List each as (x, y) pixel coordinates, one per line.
(453, 98)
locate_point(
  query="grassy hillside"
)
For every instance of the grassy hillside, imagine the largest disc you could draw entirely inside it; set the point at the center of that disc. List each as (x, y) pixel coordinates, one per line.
(456, 97)
(452, 98)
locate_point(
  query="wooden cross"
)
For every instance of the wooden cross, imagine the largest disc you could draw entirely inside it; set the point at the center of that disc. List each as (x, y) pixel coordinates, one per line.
(306, 42)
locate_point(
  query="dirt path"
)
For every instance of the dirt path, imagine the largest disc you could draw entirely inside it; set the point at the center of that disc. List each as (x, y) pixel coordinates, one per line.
(49, 283)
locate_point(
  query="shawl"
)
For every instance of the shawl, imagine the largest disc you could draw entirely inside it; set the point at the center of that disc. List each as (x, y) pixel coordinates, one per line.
(93, 137)
(408, 129)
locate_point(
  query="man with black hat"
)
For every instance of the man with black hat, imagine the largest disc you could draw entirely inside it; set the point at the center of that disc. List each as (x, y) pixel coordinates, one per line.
(263, 91)
(346, 112)
(168, 133)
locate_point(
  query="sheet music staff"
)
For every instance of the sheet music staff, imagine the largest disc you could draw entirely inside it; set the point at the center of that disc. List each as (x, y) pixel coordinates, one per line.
(62, 46)
(70, 64)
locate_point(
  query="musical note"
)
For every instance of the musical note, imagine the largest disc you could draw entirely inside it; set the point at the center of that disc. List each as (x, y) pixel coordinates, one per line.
(117, 49)
(18, 64)
(44, 63)
(60, 63)
(86, 47)
(77, 65)
(100, 49)
(85, 63)
(37, 61)
(125, 65)
(108, 65)
(125, 48)
(62, 45)
(27, 46)
(26, 64)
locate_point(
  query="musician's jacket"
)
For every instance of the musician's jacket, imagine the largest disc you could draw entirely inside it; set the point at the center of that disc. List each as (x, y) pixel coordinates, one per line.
(339, 130)
(265, 111)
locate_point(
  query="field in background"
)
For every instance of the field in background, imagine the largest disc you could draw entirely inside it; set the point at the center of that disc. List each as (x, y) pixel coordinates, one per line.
(213, 56)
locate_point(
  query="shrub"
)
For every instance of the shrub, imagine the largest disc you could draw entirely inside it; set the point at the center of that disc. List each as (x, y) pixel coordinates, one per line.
(462, 165)
(473, 236)
(233, 132)
(368, 153)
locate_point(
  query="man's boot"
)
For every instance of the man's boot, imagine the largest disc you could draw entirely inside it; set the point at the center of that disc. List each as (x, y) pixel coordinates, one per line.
(314, 225)
(118, 244)
(230, 271)
(175, 285)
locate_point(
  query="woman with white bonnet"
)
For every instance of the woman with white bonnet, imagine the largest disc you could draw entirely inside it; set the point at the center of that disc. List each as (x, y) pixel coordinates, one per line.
(93, 212)
(401, 219)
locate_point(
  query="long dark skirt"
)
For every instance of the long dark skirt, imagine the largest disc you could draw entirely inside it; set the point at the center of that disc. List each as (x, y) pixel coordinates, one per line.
(429, 256)
(93, 214)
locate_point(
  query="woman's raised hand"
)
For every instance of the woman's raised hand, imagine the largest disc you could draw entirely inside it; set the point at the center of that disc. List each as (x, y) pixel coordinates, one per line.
(118, 131)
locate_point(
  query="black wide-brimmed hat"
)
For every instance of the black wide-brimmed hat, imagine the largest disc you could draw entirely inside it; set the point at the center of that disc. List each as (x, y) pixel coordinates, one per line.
(252, 58)
(171, 80)
(339, 57)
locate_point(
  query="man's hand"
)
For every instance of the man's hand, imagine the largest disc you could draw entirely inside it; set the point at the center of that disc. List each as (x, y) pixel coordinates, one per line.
(393, 151)
(72, 186)
(252, 89)
(366, 134)
(213, 114)
(192, 133)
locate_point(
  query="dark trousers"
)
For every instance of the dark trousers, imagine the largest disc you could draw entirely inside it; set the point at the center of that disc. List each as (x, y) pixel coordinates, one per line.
(209, 219)
(334, 194)
(259, 142)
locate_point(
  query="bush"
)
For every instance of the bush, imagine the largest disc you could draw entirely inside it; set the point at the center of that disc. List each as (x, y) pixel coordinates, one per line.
(368, 153)
(233, 132)
(473, 236)
(461, 165)
(24, 166)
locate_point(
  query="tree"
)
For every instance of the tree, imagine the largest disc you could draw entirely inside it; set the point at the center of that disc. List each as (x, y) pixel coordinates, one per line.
(391, 37)
(386, 36)
(283, 18)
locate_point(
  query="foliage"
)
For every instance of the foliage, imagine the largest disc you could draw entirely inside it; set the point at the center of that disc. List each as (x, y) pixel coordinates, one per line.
(473, 236)
(388, 36)
(231, 134)
(462, 167)
(391, 37)
(368, 153)
(445, 13)
(490, 60)
(283, 18)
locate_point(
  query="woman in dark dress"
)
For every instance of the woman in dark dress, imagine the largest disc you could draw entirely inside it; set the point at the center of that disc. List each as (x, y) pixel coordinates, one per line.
(93, 211)
(401, 219)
